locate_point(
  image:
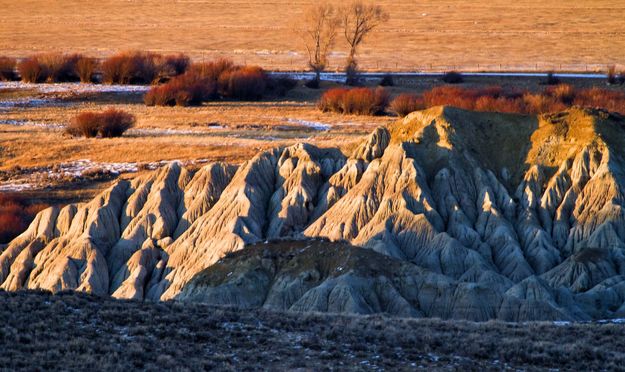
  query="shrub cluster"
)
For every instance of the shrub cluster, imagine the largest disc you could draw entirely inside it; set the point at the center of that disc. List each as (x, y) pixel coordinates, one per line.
(281, 85)
(7, 69)
(106, 124)
(136, 67)
(552, 79)
(453, 77)
(387, 81)
(15, 216)
(214, 80)
(366, 101)
(405, 103)
(130, 68)
(552, 99)
(51, 67)
(186, 90)
(57, 68)
(615, 78)
(86, 68)
(359, 101)
(121, 68)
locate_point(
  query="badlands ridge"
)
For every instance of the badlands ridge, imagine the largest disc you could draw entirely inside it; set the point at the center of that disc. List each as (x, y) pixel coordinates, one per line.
(465, 215)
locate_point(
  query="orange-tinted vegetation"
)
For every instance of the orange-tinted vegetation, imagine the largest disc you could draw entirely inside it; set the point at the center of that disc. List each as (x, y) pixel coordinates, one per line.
(106, 124)
(7, 69)
(359, 101)
(210, 81)
(364, 101)
(15, 216)
(552, 99)
(406, 103)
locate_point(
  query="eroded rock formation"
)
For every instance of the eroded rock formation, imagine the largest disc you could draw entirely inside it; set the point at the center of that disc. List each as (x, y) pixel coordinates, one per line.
(502, 216)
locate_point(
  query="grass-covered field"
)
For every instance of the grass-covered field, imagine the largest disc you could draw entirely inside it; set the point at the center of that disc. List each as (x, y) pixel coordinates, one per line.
(77, 331)
(442, 34)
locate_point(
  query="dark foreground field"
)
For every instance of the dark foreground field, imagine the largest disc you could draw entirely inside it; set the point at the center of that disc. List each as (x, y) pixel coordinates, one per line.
(76, 331)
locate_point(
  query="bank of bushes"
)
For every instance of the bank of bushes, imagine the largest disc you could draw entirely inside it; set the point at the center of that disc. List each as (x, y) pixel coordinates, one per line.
(368, 101)
(132, 67)
(219, 79)
(142, 67)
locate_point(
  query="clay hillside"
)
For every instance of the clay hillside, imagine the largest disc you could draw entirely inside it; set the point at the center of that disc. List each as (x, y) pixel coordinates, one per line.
(465, 215)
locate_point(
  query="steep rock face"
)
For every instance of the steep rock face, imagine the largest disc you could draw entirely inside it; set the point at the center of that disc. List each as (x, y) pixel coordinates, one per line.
(515, 205)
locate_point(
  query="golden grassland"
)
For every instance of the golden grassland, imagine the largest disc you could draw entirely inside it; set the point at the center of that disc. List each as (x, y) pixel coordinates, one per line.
(226, 131)
(445, 34)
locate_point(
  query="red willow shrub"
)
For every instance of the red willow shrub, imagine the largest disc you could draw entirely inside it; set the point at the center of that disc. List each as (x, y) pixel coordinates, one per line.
(189, 89)
(359, 101)
(130, 68)
(86, 68)
(106, 124)
(60, 67)
(452, 77)
(494, 99)
(7, 69)
(135, 67)
(552, 99)
(50, 67)
(214, 69)
(15, 216)
(610, 100)
(174, 64)
(244, 83)
(332, 100)
(405, 103)
(210, 81)
(32, 71)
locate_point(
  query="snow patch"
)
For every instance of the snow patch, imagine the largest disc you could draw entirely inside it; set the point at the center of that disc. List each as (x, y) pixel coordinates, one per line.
(28, 102)
(613, 321)
(310, 124)
(162, 132)
(30, 123)
(77, 169)
(75, 87)
(561, 323)
(15, 187)
(372, 76)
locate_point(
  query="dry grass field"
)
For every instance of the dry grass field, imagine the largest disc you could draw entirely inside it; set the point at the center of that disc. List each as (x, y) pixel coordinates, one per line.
(439, 35)
(36, 155)
(227, 131)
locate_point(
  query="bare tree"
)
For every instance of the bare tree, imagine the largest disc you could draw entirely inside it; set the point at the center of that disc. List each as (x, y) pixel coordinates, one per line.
(318, 31)
(358, 20)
